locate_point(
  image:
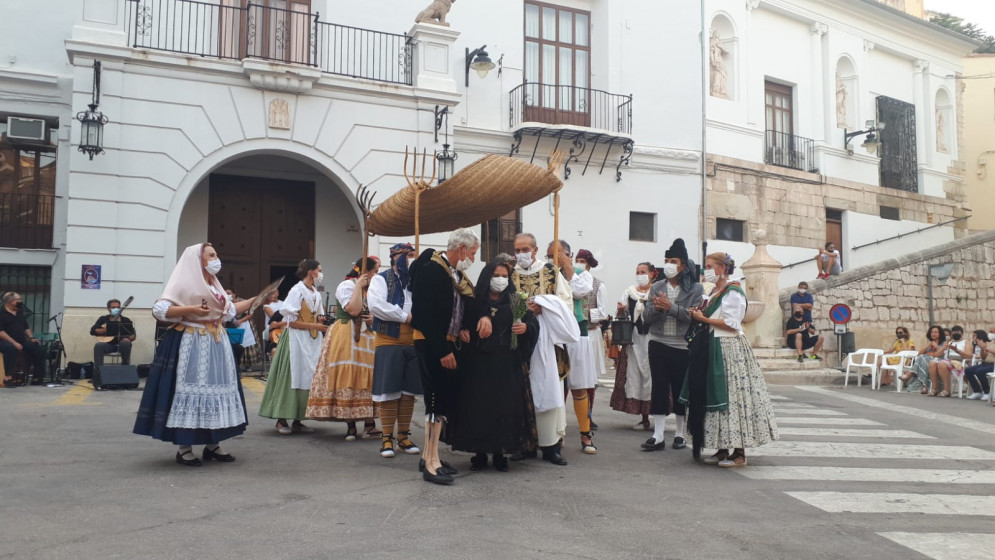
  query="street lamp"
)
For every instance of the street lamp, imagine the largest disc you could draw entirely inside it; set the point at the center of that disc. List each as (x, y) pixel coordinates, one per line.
(871, 143)
(92, 121)
(941, 272)
(479, 61)
(447, 162)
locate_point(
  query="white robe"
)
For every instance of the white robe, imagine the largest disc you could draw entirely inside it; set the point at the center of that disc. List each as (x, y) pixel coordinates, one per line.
(557, 325)
(583, 374)
(304, 350)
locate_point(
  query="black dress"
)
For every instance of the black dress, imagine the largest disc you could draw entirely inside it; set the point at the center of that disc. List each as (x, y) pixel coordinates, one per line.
(492, 414)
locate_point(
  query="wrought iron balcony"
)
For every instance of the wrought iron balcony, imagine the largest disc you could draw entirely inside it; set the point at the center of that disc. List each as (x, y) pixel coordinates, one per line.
(585, 117)
(26, 220)
(227, 30)
(533, 102)
(788, 150)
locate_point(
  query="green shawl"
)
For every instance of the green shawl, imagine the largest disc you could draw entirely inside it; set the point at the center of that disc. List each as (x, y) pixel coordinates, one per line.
(717, 387)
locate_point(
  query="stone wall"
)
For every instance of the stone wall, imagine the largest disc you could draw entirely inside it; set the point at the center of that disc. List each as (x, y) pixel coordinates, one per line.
(894, 292)
(791, 205)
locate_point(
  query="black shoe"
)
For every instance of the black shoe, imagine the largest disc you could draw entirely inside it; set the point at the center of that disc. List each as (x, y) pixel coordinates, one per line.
(501, 463)
(593, 426)
(195, 462)
(446, 468)
(478, 462)
(219, 457)
(679, 443)
(439, 478)
(552, 454)
(523, 455)
(652, 445)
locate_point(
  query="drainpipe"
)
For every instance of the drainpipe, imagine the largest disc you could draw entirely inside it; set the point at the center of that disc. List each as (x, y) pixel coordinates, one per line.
(702, 228)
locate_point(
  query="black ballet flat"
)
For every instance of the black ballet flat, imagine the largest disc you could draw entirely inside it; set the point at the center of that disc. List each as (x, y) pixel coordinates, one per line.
(446, 468)
(679, 443)
(478, 462)
(439, 478)
(653, 445)
(195, 462)
(219, 457)
(500, 463)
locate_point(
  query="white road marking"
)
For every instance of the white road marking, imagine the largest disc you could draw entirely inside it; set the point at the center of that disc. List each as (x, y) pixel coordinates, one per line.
(827, 421)
(779, 398)
(849, 474)
(868, 451)
(847, 432)
(792, 404)
(810, 411)
(920, 413)
(898, 502)
(946, 546)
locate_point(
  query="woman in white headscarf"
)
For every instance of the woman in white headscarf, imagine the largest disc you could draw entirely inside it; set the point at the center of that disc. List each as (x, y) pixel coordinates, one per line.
(193, 395)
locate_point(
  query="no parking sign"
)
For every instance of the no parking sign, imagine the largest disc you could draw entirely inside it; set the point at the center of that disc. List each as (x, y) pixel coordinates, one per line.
(840, 314)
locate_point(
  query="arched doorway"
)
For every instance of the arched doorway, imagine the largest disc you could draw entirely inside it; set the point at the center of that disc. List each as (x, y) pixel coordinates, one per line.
(264, 212)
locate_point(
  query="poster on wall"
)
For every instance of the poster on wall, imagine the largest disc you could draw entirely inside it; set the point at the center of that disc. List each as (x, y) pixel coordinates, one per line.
(90, 278)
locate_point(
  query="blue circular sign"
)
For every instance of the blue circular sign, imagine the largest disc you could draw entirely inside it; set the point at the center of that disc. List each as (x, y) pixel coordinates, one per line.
(840, 314)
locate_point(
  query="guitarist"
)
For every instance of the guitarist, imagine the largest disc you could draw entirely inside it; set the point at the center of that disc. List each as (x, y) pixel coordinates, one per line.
(114, 333)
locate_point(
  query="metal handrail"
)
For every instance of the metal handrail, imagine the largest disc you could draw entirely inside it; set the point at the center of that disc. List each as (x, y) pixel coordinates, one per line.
(570, 105)
(215, 30)
(899, 236)
(788, 150)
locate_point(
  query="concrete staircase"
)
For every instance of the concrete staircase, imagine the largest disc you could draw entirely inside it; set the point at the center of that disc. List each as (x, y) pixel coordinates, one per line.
(781, 367)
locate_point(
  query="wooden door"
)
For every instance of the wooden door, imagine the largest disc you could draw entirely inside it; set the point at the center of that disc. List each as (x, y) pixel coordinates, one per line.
(259, 225)
(834, 230)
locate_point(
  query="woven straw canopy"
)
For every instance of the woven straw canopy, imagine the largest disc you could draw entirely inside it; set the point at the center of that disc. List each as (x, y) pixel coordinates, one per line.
(484, 190)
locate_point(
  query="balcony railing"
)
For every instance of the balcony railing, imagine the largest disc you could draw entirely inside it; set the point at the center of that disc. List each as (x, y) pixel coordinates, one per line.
(788, 150)
(570, 105)
(227, 30)
(26, 220)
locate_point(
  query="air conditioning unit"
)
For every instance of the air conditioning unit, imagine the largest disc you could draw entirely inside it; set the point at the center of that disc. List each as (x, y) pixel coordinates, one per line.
(26, 129)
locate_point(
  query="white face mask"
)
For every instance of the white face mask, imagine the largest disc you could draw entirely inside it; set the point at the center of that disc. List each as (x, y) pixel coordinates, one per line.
(320, 278)
(670, 270)
(710, 276)
(499, 284)
(802, 290)
(642, 280)
(213, 267)
(524, 260)
(464, 264)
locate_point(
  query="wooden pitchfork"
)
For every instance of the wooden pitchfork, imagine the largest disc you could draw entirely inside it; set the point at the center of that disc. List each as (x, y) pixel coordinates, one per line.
(364, 199)
(419, 185)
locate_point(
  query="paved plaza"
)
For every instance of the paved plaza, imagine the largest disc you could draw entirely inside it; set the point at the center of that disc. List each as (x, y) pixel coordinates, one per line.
(856, 474)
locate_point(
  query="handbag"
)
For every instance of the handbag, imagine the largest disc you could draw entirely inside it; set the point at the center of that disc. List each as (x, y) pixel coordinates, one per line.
(694, 330)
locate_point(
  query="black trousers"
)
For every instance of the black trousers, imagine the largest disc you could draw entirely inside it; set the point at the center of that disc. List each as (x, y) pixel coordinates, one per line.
(9, 357)
(438, 383)
(668, 366)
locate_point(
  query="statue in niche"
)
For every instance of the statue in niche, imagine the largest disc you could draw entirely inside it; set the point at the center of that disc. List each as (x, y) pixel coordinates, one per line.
(716, 60)
(435, 13)
(279, 114)
(841, 95)
(941, 145)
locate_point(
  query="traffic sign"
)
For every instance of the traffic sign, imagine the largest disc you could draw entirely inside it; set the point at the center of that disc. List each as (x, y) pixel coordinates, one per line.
(840, 314)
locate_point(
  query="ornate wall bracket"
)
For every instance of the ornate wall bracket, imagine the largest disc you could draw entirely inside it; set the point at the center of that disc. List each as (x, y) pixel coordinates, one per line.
(275, 77)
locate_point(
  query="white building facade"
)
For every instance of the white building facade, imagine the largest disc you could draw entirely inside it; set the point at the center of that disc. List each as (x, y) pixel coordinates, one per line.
(251, 125)
(787, 81)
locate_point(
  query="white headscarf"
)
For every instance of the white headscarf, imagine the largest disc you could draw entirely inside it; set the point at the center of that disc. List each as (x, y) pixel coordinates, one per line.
(186, 286)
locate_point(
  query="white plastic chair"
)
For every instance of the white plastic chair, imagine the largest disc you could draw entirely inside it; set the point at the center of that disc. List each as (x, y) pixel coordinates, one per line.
(863, 358)
(959, 374)
(905, 359)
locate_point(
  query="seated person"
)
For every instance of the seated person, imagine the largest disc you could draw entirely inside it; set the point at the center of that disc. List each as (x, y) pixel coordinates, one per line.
(114, 333)
(801, 335)
(902, 343)
(15, 332)
(977, 375)
(828, 261)
(951, 356)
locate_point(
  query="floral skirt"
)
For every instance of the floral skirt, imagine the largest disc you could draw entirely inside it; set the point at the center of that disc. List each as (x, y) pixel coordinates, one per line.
(749, 420)
(342, 388)
(619, 400)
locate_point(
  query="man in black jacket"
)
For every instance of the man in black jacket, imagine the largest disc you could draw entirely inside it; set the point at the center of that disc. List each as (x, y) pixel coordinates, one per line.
(439, 289)
(14, 331)
(114, 333)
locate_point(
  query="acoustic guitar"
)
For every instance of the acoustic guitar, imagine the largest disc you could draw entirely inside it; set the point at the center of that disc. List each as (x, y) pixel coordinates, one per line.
(109, 339)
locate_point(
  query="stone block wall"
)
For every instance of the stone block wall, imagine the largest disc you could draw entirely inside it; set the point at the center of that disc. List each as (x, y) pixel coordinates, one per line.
(791, 205)
(894, 292)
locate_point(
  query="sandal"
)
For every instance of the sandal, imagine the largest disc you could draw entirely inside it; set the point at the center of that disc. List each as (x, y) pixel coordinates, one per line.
(283, 428)
(924, 391)
(737, 459)
(587, 443)
(943, 394)
(931, 394)
(719, 456)
(387, 448)
(370, 430)
(350, 433)
(405, 443)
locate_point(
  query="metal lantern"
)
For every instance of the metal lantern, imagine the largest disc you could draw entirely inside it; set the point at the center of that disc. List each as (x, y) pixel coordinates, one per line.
(447, 162)
(91, 140)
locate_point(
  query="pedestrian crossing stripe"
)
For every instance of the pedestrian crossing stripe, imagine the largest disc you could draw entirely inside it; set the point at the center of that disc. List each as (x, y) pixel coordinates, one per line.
(808, 411)
(818, 449)
(792, 404)
(779, 398)
(853, 474)
(945, 546)
(851, 432)
(826, 421)
(898, 502)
